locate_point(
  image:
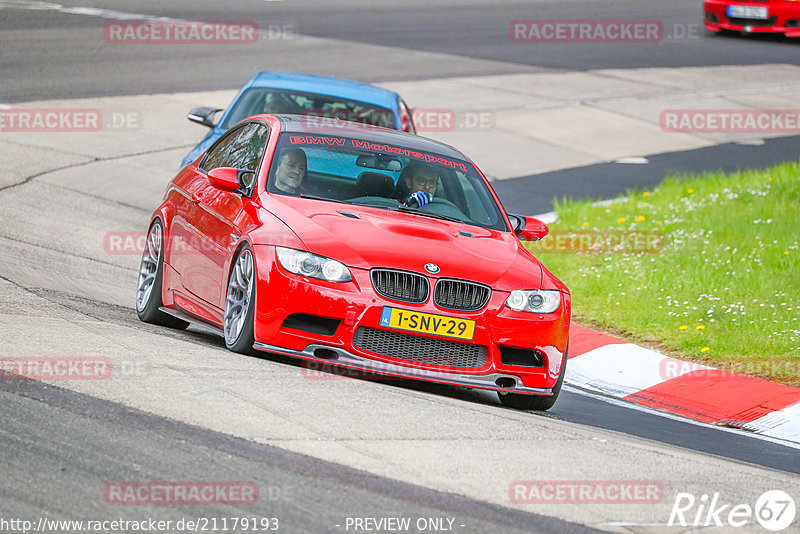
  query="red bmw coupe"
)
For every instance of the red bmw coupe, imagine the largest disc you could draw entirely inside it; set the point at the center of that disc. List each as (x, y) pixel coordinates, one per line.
(753, 16)
(359, 247)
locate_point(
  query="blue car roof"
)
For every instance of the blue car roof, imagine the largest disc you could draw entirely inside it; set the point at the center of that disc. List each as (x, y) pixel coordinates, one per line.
(325, 85)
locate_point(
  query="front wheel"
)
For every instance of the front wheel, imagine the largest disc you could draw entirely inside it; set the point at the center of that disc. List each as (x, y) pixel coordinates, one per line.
(151, 272)
(539, 403)
(240, 303)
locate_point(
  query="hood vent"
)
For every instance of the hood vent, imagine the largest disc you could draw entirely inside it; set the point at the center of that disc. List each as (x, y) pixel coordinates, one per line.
(348, 214)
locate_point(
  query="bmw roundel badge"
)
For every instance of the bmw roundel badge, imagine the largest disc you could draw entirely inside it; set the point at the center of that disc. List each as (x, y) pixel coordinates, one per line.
(432, 268)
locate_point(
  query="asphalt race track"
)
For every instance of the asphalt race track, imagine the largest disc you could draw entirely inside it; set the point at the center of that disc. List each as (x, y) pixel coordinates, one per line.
(43, 422)
(56, 56)
(322, 450)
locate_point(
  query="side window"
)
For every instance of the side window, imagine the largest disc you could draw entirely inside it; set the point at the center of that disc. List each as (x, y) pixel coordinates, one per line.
(243, 148)
(247, 151)
(217, 155)
(407, 118)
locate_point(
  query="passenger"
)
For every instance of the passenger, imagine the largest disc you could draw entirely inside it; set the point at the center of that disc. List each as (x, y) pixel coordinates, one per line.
(417, 185)
(291, 171)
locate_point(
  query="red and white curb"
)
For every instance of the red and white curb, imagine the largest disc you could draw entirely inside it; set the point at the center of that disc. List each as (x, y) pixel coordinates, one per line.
(599, 362)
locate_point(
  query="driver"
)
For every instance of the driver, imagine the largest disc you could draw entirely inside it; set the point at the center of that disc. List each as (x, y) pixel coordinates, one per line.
(417, 184)
(291, 171)
(278, 104)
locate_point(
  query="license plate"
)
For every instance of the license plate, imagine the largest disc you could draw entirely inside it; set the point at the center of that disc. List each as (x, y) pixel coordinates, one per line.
(428, 323)
(748, 12)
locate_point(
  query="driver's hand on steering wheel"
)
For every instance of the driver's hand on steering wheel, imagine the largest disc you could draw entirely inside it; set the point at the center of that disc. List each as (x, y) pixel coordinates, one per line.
(419, 199)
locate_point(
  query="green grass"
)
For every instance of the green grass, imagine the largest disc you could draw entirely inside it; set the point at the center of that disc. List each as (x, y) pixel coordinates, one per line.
(725, 288)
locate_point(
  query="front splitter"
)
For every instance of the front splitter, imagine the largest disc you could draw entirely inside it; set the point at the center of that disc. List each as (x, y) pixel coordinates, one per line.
(342, 358)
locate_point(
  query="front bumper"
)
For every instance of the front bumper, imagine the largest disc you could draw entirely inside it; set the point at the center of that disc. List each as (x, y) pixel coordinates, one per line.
(355, 304)
(783, 17)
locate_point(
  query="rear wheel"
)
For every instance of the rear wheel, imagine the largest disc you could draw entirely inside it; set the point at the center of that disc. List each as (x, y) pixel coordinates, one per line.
(151, 271)
(540, 403)
(240, 303)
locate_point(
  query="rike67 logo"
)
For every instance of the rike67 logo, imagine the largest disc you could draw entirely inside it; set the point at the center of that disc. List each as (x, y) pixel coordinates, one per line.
(774, 510)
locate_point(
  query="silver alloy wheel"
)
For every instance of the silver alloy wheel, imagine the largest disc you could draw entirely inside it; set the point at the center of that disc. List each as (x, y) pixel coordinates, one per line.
(148, 269)
(240, 291)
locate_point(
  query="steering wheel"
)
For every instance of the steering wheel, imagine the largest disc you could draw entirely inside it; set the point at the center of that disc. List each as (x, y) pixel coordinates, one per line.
(441, 206)
(444, 202)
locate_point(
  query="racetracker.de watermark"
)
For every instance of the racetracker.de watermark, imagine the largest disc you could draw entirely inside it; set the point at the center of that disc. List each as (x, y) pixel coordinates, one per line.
(133, 243)
(67, 120)
(180, 493)
(340, 117)
(586, 31)
(586, 492)
(149, 525)
(448, 120)
(181, 32)
(599, 31)
(601, 242)
(55, 368)
(313, 370)
(730, 121)
(669, 368)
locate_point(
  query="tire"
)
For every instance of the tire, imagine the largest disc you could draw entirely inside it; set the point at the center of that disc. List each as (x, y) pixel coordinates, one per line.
(151, 272)
(540, 403)
(240, 303)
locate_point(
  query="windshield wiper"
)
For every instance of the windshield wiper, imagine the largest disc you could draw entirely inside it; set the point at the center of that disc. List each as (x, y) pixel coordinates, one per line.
(365, 204)
(314, 197)
(368, 205)
(401, 208)
(406, 209)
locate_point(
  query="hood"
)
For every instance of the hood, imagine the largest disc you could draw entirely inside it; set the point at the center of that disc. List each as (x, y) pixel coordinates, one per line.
(363, 237)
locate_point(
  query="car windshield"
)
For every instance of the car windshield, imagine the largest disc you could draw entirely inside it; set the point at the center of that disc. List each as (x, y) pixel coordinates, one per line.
(354, 171)
(258, 100)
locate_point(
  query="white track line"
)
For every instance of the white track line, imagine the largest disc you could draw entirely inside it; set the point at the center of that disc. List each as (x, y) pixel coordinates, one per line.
(110, 14)
(88, 11)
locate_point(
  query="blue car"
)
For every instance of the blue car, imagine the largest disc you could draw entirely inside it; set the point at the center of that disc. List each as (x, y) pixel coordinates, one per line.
(317, 97)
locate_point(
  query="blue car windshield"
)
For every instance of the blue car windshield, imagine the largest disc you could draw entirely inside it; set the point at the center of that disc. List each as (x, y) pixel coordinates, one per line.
(258, 100)
(361, 172)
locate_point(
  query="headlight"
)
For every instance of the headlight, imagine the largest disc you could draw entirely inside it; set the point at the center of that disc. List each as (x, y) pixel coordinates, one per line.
(534, 300)
(307, 264)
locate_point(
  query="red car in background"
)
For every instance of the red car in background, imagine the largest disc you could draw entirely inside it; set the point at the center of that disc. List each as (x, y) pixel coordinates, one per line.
(311, 242)
(753, 16)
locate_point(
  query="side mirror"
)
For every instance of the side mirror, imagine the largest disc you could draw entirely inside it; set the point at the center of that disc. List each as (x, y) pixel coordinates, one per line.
(225, 178)
(232, 179)
(204, 116)
(529, 228)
